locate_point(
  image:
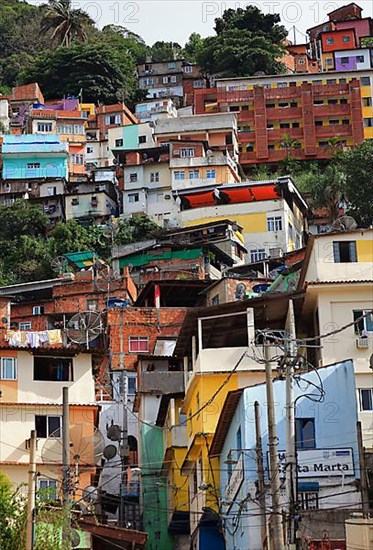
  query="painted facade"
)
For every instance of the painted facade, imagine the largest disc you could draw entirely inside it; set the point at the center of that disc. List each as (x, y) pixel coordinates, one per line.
(339, 289)
(321, 482)
(33, 156)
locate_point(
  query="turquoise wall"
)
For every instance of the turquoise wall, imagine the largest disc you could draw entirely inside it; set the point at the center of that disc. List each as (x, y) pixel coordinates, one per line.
(16, 168)
(154, 490)
(131, 137)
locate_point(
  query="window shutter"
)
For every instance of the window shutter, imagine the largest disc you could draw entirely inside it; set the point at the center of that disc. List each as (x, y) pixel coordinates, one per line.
(353, 256)
(336, 253)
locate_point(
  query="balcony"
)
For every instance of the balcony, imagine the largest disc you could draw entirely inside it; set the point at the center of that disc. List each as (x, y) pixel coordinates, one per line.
(246, 137)
(320, 90)
(279, 155)
(236, 96)
(277, 134)
(161, 382)
(280, 113)
(334, 130)
(329, 110)
(245, 116)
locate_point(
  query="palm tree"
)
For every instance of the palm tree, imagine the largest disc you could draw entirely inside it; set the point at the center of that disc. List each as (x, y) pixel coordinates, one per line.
(65, 23)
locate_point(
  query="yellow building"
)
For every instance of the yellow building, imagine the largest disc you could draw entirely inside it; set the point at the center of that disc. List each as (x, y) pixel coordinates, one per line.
(338, 277)
(219, 353)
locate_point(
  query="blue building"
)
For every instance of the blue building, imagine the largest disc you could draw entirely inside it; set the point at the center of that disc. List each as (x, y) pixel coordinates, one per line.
(327, 456)
(34, 156)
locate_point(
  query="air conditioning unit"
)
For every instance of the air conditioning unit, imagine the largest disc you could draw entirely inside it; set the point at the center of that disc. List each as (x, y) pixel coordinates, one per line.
(362, 343)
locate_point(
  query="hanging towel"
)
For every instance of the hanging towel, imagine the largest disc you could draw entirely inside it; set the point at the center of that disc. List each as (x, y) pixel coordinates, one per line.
(55, 336)
(43, 337)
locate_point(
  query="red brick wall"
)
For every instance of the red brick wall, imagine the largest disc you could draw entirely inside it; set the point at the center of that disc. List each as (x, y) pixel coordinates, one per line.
(147, 322)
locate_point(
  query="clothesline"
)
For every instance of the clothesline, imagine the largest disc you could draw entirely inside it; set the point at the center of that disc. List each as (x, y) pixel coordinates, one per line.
(28, 338)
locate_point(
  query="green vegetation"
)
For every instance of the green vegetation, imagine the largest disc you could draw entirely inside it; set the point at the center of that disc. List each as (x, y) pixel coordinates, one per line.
(27, 247)
(246, 42)
(67, 24)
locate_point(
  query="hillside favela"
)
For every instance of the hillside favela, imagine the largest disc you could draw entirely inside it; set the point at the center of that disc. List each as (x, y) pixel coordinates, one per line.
(186, 277)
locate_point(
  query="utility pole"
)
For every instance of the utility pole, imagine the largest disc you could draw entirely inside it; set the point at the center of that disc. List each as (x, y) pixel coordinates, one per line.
(66, 468)
(291, 489)
(124, 454)
(260, 471)
(274, 474)
(363, 472)
(31, 493)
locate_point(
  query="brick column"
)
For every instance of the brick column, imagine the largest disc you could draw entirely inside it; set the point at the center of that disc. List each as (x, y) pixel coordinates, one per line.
(356, 111)
(309, 131)
(260, 118)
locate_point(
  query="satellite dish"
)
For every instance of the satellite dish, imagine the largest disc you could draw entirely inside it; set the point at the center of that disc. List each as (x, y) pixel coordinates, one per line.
(240, 293)
(84, 327)
(209, 153)
(90, 494)
(74, 538)
(60, 265)
(110, 452)
(344, 223)
(86, 448)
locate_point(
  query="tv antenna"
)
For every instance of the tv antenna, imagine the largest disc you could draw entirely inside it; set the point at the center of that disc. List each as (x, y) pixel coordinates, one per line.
(60, 265)
(344, 223)
(84, 327)
(86, 449)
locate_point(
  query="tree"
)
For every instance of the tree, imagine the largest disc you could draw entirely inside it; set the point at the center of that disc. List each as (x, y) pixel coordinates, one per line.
(192, 47)
(124, 41)
(357, 166)
(69, 237)
(165, 51)
(12, 516)
(65, 22)
(246, 42)
(97, 69)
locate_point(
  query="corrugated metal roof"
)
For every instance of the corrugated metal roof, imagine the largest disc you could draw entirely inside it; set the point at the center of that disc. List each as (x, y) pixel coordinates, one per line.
(341, 282)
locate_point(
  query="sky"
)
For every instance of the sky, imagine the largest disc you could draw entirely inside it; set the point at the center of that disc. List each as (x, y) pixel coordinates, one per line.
(175, 20)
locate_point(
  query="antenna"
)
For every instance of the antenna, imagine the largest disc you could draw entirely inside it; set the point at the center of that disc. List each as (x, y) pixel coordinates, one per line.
(60, 265)
(86, 449)
(84, 327)
(240, 293)
(344, 223)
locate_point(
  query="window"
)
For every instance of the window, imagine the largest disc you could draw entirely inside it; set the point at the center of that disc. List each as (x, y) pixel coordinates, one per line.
(344, 251)
(368, 122)
(256, 255)
(330, 41)
(365, 324)
(52, 190)
(119, 143)
(48, 426)
(318, 102)
(282, 105)
(211, 174)
(342, 81)
(274, 223)
(165, 80)
(365, 80)
(346, 38)
(8, 370)
(271, 105)
(360, 59)
(44, 126)
(193, 174)
(291, 232)
(215, 300)
(172, 65)
(142, 139)
(305, 433)
(38, 310)
(53, 369)
(198, 84)
(367, 101)
(318, 122)
(113, 119)
(332, 101)
(239, 438)
(345, 121)
(132, 385)
(366, 399)
(284, 125)
(281, 85)
(234, 108)
(138, 344)
(271, 147)
(331, 81)
(77, 159)
(89, 150)
(308, 500)
(154, 177)
(33, 165)
(187, 152)
(133, 197)
(173, 78)
(179, 175)
(47, 488)
(345, 60)
(133, 177)
(26, 325)
(147, 82)
(92, 305)
(334, 121)
(343, 101)
(295, 125)
(188, 69)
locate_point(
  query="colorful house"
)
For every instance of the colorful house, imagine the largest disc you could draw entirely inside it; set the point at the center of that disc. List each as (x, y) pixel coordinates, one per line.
(34, 156)
(327, 458)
